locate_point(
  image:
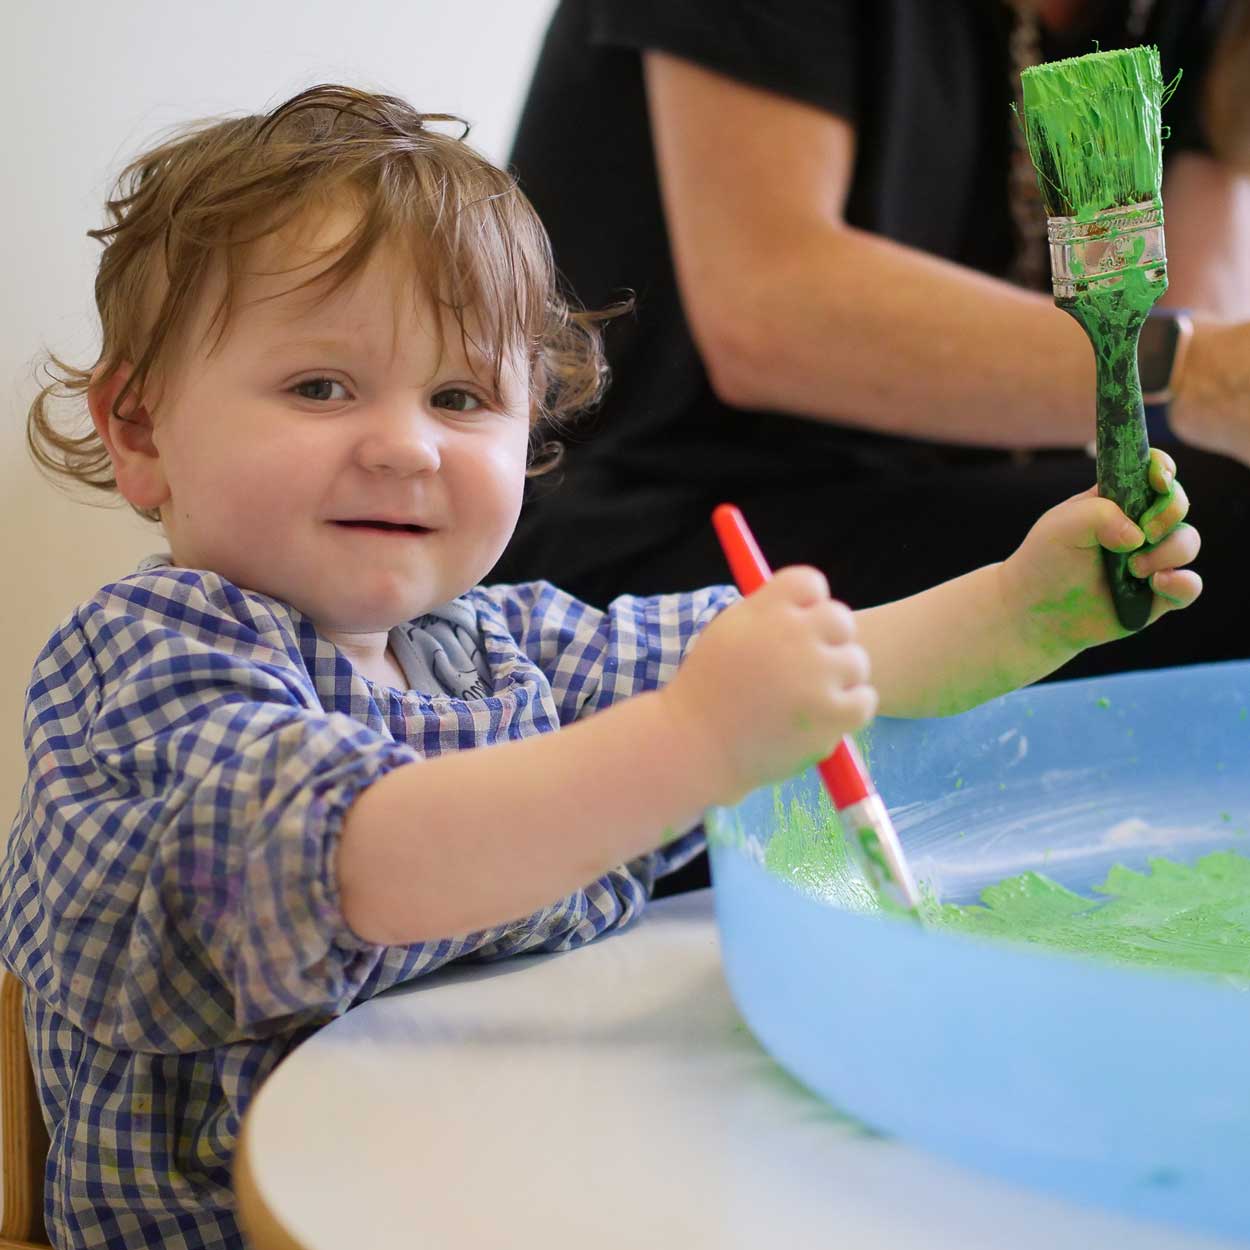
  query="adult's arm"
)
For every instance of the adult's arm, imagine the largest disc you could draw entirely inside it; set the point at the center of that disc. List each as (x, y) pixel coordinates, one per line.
(795, 310)
(1208, 235)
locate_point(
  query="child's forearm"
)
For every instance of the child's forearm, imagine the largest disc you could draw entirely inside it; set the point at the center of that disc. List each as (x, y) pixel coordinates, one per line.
(949, 648)
(476, 838)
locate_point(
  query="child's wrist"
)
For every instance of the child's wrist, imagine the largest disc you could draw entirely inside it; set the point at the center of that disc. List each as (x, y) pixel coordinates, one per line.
(690, 737)
(1037, 646)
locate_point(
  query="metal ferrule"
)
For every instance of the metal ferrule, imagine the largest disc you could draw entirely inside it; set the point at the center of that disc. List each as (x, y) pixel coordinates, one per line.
(1085, 255)
(892, 876)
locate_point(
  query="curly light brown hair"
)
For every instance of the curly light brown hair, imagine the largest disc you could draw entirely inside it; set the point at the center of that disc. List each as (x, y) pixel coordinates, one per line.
(214, 189)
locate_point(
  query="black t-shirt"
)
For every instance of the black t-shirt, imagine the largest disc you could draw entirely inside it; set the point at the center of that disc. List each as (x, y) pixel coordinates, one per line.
(928, 88)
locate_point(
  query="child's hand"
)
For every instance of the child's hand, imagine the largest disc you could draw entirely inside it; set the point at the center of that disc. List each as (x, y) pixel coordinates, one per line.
(1055, 580)
(772, 684)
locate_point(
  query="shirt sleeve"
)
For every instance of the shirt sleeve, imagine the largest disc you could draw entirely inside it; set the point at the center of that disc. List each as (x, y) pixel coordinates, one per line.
(593, 658)
(804, 49)
(170, 879)
(1186, 32)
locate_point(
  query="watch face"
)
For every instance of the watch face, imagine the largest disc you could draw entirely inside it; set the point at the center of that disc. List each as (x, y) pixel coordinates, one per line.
(1156, 353)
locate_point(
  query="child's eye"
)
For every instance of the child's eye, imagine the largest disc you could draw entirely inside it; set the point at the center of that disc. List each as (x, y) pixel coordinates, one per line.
(456, 400)
(320, 389)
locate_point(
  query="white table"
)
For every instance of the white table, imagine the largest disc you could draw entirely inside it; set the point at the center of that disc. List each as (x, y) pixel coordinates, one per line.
(610, 1098)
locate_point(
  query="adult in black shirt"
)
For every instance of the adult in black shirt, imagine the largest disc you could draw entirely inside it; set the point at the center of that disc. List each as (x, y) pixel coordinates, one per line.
(813, 202)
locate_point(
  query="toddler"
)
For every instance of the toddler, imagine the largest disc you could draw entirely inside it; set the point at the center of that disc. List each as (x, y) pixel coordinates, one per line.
(304, 756)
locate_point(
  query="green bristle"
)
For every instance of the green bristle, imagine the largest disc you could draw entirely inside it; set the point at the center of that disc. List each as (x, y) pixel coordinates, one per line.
(1094, 131)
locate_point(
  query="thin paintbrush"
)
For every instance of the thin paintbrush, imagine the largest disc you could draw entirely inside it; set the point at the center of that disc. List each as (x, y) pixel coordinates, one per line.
(870, 833)
(1094, 133)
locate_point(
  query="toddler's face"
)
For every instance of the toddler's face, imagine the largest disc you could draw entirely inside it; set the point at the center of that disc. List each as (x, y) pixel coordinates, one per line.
(324, 454)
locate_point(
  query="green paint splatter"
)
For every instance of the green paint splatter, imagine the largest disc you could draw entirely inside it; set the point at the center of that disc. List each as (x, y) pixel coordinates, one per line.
(809, 850)
(874, 858)
(1192, 917)
(821, 1111)
(1104, 702)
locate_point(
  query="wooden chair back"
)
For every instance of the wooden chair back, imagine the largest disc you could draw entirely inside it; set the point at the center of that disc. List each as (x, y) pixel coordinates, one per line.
(23, 1137)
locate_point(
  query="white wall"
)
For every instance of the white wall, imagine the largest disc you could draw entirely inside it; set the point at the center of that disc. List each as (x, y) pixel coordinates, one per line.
(88, 83)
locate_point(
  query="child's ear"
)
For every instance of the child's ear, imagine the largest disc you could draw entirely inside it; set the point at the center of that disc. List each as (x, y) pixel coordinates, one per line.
(128, 438)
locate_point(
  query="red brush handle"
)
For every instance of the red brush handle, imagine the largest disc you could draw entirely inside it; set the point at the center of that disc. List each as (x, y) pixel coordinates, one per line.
(843, 773)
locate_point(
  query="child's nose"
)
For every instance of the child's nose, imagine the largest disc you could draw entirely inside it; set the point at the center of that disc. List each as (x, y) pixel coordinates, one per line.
(403, 441)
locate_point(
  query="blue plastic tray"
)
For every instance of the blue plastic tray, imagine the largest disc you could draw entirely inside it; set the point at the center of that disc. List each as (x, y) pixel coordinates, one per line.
(1110, 1084)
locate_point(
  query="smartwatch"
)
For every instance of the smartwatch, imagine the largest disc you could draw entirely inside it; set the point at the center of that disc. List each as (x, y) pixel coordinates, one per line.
(1161, 351)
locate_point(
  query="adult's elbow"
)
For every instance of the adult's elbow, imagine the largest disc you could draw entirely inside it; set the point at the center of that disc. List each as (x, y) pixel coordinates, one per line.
(733, 349)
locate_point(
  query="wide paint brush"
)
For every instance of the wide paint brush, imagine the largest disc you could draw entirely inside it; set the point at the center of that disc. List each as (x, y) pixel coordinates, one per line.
(1095, 137)
(870, 833)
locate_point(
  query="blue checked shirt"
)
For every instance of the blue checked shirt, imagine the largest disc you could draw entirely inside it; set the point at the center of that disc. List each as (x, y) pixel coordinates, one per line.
(169, 896)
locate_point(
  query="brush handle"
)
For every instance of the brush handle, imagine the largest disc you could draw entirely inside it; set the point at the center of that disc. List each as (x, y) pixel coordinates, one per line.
(1113, 320)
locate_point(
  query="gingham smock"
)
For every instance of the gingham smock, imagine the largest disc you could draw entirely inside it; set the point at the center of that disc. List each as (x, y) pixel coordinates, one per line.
(168, 894)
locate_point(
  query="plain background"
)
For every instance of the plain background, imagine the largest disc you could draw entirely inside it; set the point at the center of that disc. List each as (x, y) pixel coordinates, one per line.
(88, 85)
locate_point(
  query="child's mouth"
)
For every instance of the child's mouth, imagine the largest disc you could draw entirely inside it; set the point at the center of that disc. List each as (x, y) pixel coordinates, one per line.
(386, 527)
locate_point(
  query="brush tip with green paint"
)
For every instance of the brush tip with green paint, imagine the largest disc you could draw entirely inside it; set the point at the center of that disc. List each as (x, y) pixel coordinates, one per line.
(1094, 130)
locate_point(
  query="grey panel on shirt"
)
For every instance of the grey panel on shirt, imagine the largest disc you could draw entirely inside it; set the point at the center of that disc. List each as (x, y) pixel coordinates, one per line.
(441, 652)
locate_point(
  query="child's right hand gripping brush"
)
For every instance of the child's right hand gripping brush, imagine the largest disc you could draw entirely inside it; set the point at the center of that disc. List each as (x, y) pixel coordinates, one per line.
(1093, 128)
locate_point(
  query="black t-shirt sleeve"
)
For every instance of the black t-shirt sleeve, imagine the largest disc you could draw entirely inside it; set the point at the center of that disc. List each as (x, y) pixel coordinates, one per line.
(803, 49)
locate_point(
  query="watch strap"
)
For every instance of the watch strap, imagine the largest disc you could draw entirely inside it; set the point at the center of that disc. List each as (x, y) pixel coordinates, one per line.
(1161, 350)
